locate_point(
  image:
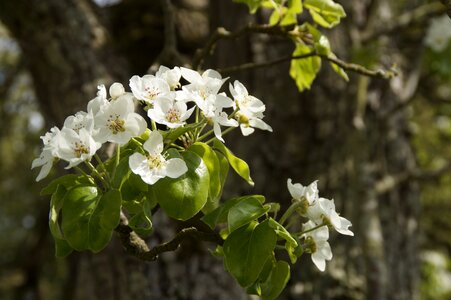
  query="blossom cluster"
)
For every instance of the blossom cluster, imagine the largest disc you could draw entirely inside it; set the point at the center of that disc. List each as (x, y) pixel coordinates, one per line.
(321, 216)
(168, 103)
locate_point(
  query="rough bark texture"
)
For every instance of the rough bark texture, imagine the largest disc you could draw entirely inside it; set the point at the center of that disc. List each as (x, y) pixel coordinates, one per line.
(337, 133)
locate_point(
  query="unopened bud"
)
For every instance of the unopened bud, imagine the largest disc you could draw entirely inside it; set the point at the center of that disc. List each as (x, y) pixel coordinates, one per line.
(116, 90)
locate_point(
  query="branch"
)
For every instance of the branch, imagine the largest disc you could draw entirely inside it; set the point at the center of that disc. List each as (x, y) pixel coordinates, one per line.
(415, 16)
(137, 247)
(222, 33)
(342, 64)
(169, 55)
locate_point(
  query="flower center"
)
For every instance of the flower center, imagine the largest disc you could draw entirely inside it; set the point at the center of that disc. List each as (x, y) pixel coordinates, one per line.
(173, 115)
(152, 92)
(242, 119)
(155, 161)
(80, 149)
(115, 124)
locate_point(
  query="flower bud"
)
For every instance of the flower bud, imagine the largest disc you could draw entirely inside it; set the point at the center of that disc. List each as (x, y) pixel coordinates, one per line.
(116, 90)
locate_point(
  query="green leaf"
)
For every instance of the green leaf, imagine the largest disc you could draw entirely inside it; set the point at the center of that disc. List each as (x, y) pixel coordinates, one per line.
(321, 42)
(252, 4)
(219, 215)
(326, 13)
(255, 288)
(181, 198)
(294, 7)
(338, 69)
(173, 134)
(223, 171)
(133, 188)
(88, 218)
(239, 165)
(290, 243)
(276, 281)
(121, 174)
(141, 222)
(212, 162)
(304, 70)
(243, 212)
(247, 249)
(68, 181)
(62, 248)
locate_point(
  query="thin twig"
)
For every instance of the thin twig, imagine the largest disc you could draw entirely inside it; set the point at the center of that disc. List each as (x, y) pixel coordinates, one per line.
(222, 33)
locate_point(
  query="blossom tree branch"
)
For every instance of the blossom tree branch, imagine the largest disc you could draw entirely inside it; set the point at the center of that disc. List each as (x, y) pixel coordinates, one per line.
(136, 246)
(344, 65)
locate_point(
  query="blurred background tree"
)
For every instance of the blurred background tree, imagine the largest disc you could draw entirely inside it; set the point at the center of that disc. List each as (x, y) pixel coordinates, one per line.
(379, 147)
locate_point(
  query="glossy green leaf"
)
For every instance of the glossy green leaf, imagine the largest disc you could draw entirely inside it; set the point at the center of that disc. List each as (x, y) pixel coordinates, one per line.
(326, 13)
(219, 215)
(121, 173)
(141, 222)
(304, 70)
(68, 181)
(181, 198)
(243, 212)
(223, 170)
(247, 249)
(239, 165)
(321, 42)
(276, 281)
(212, 162)
(255, 288)
(133, 188)
(88, 218)
(62, 248)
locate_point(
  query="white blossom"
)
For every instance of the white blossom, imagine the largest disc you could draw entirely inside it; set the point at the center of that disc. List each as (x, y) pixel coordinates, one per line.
(249, 121)
(148, 88)
(99, 102)
(323, 211)
(80, 120)
(47, 156)
(169, 112)
(244, 101)
(154, 166)
(171, 76)
(75, 147)
(118, 122)
(317, 245)
(301, 193)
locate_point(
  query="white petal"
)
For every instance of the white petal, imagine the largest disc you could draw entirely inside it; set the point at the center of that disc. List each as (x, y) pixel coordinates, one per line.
(217, 131)
(138, 163)
(116, 90)
(190, 75)
(296, 190)
(319, 261)
(343, 229)
(154, 145)
(257, 123)
(176, 167)
(246, 130)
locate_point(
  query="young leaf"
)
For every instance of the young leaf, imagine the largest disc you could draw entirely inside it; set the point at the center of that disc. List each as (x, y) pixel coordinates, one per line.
(121, 174)
(239, 165)
(276, 281)
(62, 248)
(290, 243)
(304, 70)
(181, 198)
(247, 249)
(325, 13)
(219, 215)
(338, 69)
(212, 162)
(88, 219)
(141, 222)
(244, 212)
(68, 181)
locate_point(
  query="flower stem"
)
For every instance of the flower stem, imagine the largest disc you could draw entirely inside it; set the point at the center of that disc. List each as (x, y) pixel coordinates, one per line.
(116, 160)
(289, 211)
(95, 172)
(311, 229)
(154, 125)
(223, 133)
(102, 165)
